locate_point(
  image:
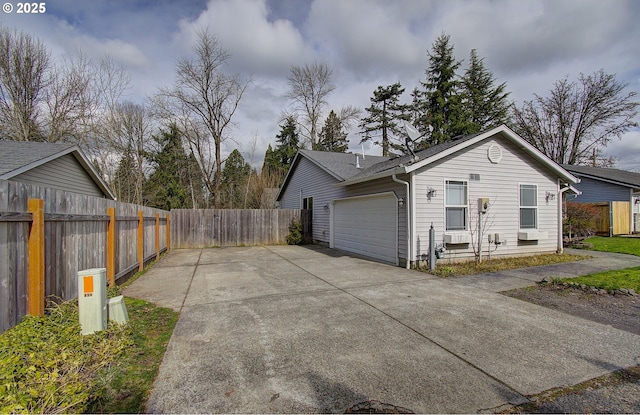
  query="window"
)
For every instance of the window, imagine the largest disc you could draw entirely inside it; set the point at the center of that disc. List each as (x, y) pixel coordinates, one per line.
(307, 203)
(456, 205)
(528, 206)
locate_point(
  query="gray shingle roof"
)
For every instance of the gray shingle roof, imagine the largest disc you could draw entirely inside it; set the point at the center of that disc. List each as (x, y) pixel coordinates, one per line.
(342, 166)
(621, 176)
(392, 163)
(15, 155)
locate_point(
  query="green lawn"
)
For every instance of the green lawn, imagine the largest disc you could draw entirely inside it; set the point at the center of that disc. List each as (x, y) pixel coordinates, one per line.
(619, 245)
(628, 278)
(611, 280)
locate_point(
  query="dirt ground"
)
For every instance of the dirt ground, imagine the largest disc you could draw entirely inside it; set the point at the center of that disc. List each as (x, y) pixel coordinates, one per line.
(614, 393)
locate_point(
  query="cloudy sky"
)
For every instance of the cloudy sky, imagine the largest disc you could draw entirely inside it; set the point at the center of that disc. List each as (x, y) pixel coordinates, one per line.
(528, 44)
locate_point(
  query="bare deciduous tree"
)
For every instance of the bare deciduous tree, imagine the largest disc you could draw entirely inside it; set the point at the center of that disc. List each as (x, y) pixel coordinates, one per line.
(309, 87)
(130, 136)
(577, 118)
(24, 65)
(209, 98)
(70, 102)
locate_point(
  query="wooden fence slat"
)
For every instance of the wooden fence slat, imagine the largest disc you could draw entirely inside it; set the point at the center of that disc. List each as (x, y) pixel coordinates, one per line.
(202, 228)
(140, 240)
(36, 258)
(111, 247)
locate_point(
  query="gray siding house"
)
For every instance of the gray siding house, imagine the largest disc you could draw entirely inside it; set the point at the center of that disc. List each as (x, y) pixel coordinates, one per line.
(52, 165)
(609, 185)
(383, 207)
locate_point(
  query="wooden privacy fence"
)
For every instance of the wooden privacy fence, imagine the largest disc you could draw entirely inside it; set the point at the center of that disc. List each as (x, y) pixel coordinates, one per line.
(615, 218)
(48, 235)
(202, 228)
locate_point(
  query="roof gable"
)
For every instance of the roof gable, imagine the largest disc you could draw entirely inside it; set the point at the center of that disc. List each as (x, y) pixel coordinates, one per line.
(17, 157)
(615, 176)
(404, 164)
(340, 166)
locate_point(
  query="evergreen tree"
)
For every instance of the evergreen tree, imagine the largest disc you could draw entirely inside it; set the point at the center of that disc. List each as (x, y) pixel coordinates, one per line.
(486, 106)
(288, 143)
(438, 106)
(332, 137)
(383, 116)
(176, 182)
(271, 164)
(234, 180)
(277, 161)
(124, 180)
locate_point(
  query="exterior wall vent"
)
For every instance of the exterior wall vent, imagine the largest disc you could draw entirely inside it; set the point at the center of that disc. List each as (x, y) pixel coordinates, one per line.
(474, 176)
(494, 153)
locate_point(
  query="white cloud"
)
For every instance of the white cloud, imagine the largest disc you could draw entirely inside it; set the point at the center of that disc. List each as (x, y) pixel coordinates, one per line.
(256, 44)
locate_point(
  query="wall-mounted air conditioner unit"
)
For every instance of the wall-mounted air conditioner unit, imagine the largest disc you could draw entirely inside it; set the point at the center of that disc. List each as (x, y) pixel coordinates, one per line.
(456, 238)
(532, 235)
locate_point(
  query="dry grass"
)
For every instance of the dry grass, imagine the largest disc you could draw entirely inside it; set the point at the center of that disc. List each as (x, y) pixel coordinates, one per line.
(500, 264)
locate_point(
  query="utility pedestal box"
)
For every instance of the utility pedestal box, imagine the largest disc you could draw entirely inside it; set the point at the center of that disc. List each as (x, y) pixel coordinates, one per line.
(92, 299)
(118, 310)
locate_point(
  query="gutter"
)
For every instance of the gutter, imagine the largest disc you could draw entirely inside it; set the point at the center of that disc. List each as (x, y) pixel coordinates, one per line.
(408, 215)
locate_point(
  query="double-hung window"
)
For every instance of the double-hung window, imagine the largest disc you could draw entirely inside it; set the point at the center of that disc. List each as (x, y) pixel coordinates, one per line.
(528, 206)
(456, 205)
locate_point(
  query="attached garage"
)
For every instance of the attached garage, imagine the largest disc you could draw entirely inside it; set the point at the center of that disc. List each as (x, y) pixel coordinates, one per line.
(367, 225)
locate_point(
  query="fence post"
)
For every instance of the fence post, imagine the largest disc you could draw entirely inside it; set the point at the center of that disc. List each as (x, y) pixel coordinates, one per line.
(157, 236)
(35, 291)
(167, 232)
(111, 247)
(140, 241)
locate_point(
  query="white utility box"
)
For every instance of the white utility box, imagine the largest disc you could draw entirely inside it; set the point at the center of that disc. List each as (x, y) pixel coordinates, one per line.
(92, 299)
(118, 310)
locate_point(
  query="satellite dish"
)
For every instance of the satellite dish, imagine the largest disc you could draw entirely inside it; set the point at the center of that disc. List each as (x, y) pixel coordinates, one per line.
(411, 131)
(412, 135)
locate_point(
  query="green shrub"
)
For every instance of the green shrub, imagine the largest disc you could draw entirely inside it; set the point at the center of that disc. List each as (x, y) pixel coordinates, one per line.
(580, 219)
(48, 366)
(296, 233)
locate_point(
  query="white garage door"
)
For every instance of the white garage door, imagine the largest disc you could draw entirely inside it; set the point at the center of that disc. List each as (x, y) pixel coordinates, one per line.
(367, 226)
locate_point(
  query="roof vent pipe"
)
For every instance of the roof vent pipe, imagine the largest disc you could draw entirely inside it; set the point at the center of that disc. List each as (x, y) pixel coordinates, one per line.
(358, 162)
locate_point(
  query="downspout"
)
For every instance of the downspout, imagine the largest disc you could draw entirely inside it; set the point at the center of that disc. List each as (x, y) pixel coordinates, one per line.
(560, 227)
(408, 216)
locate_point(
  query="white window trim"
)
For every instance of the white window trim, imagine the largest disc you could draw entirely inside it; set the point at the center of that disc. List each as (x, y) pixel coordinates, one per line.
(520, 207)
(465, 206)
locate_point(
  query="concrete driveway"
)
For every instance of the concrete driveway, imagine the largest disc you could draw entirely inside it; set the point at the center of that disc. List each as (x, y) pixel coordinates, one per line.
(291, 329)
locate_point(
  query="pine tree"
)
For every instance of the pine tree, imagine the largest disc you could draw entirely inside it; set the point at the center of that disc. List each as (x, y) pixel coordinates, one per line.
(332, 136)
(277, 161)
(438, 106)
(486, 106)
(234, 180)
(383, 117)
(288, 142)
(176, 182)
(124, 180)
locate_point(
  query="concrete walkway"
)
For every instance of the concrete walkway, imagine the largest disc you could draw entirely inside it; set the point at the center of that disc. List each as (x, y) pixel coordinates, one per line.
(308, 329)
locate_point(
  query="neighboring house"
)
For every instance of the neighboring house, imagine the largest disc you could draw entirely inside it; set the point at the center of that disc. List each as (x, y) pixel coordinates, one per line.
(53, 165)
(609, 185)
(383, 207)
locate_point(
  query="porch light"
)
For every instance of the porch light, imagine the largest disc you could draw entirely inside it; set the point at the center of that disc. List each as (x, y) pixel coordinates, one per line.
(550, 196)
(431, 192)
(401, 202)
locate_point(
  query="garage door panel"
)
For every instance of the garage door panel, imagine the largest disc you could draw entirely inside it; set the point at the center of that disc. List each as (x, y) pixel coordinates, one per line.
(367, 226)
